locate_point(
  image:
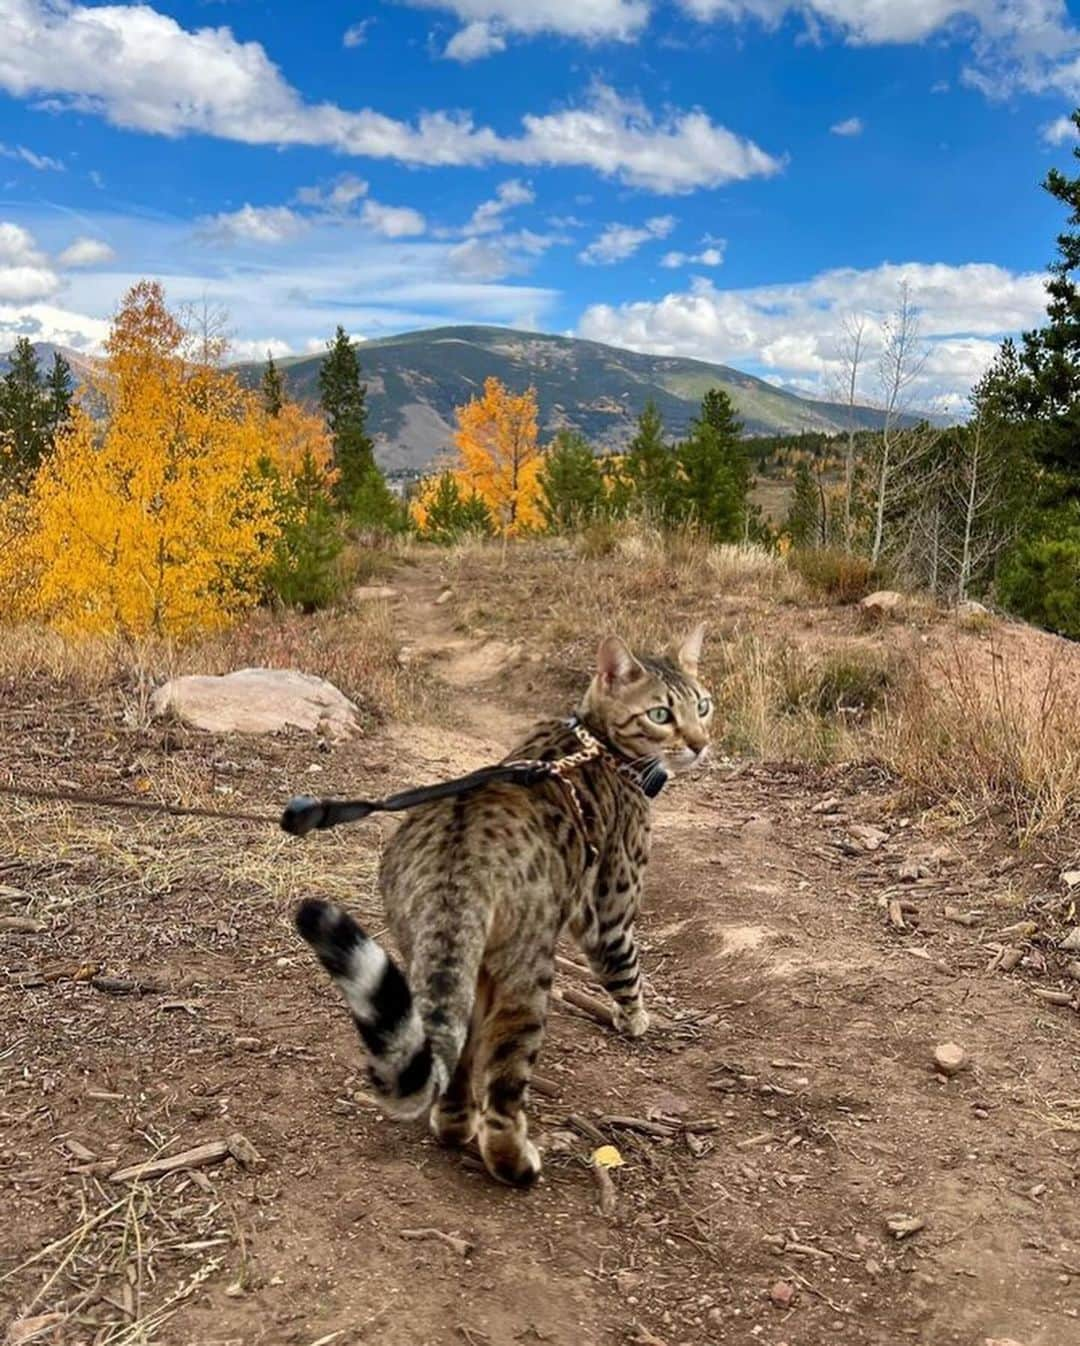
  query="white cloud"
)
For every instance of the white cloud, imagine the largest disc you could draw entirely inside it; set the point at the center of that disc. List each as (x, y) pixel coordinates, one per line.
(487, 22)
(86, 252)
(1058, 132)
(474, 42)
(41, 162)
(1030, 44)
(253, 224)
(482, 259)
(487, 218)
(345, 190)
(852, 126)
(143, 71)
(356, 34)
(25, 274)
(392, 221)
(619, 241)
(258, 348)
(46, 322)
(792, 332)
(710, 256)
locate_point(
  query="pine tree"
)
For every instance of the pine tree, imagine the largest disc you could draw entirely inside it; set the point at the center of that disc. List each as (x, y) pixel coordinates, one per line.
(24, 426)
(273, 388)
(803, 523)
(58, 395)
(572, 488)
(443, 513)
(304, 570)
(714, 478)
(345, 406)
(649, 466)
(1051, 355)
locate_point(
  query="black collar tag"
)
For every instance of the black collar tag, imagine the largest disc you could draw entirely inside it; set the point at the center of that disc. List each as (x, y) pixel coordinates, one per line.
(656, 781)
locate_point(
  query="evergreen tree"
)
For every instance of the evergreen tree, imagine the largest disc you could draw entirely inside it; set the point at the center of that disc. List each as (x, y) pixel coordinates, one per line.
(58, 395)
(345, 406)
(572, 488)
(273, 388)
(649, 466)
(449, 515)
(1050, 385)
(713, 484)
(24, 425)
(803, 523)
(304, 572)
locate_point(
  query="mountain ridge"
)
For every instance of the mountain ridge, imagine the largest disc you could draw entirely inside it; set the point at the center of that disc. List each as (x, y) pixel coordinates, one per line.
(416, 379)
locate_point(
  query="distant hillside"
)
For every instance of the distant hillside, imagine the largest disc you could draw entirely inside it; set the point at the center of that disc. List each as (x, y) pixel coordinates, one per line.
(80, 364)
(417, 379)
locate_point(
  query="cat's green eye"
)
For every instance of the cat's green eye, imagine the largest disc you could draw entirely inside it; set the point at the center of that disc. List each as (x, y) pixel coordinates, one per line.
(703, 707)
(660, 715)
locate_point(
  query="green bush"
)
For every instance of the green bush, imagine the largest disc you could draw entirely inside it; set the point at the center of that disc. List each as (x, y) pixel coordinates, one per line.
(305, 572)
(1040, 582)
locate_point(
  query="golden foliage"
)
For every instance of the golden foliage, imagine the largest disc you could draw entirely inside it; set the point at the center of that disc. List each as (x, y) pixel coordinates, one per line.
(499, 459)
(159, 519)
(295, 437)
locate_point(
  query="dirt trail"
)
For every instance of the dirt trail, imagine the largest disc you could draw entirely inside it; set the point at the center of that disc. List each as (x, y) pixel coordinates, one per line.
(783, 1109)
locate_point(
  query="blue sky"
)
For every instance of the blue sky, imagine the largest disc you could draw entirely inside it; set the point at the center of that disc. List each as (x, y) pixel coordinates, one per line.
(728, 179)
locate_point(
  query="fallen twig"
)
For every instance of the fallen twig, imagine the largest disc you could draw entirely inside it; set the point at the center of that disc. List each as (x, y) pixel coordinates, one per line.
(646, 1128)
(575, 969)
(459, 1245)
(587, 1004)
(213, 1152)
(605, 1188)
(585, 1128)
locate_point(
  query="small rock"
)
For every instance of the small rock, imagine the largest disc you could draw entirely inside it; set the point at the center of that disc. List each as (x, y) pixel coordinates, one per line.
(782, 1294)
(869, 837)
(444, 597)
(1073, 970)
(1071, 942)
(872, 1268)
(882, 603)
(903, 1226)
(373, 593)
(911, 870)
(1071, 878)
(248, 1044)
(830, 805)
(950, 1058)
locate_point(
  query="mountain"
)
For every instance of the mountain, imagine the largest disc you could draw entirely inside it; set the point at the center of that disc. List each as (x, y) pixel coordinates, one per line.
(415, 381)
(80, 363)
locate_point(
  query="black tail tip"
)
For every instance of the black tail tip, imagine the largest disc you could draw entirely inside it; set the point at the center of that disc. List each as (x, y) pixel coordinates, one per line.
(310, 919)
(301, 815)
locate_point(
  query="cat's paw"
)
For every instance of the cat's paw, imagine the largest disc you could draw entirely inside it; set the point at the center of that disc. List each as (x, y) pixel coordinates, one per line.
(632, 1021)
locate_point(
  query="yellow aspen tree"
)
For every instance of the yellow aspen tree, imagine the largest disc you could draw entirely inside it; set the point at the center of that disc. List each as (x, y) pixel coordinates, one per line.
(500, 457)
(155, 517)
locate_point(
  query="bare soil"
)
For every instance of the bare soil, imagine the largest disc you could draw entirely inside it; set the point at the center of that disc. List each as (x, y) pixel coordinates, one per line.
(783, 1109)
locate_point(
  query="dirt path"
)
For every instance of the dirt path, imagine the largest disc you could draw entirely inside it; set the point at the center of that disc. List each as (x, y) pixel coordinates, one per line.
(786, 1103)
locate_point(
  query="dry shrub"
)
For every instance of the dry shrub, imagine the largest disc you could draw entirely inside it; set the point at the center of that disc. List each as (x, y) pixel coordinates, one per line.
(357, 651)
(836, 575)
(777, 701)
(987, 742)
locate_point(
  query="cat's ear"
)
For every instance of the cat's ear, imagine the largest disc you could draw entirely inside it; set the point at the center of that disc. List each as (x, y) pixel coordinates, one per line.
(615, 664)
(688, 652)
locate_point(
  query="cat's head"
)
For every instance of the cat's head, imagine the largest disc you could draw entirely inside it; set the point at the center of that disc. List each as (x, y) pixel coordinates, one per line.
(651, 706)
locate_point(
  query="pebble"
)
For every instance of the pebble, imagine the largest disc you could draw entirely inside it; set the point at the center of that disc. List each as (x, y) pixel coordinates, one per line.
(782, 1294)
(949, 1058)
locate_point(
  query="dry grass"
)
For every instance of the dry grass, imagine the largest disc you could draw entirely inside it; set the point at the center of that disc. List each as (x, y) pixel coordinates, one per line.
(985, 738)
(835, 575)
(357, 651)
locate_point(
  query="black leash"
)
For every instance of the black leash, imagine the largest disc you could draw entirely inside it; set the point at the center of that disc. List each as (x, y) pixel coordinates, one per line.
(305, 813)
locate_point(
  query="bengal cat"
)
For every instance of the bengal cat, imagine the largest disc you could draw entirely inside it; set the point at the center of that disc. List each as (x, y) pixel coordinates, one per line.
(478, 889)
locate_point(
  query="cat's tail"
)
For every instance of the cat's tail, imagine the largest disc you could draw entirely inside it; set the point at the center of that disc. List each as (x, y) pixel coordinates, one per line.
(409, 1069)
